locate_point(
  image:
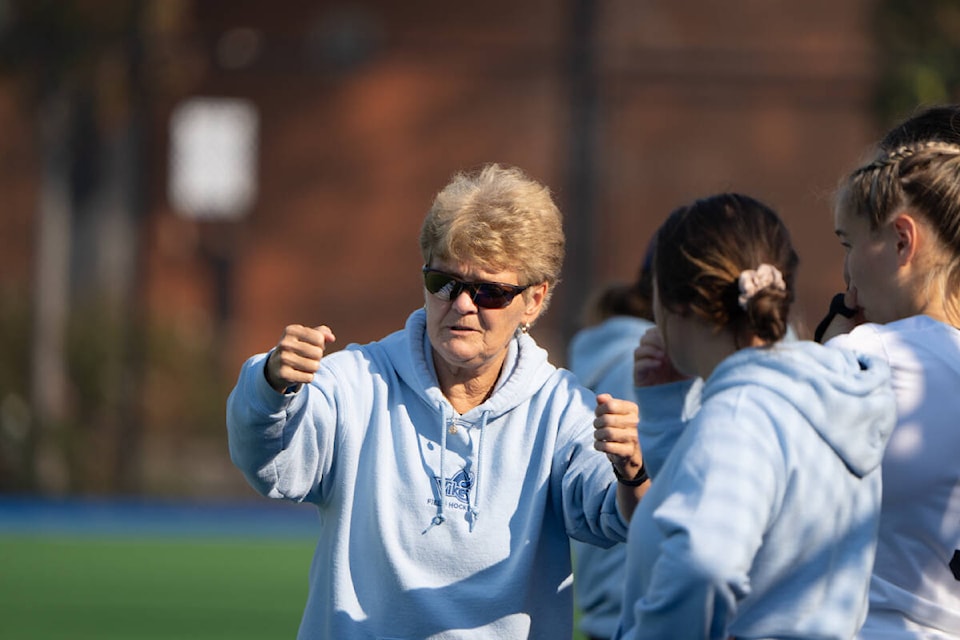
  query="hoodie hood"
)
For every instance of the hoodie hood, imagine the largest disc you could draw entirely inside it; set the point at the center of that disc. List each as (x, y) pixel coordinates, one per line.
(845, 396)
(525, 371)
(602, 355)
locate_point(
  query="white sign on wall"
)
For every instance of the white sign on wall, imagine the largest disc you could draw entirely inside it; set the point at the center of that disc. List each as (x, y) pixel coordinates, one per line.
(214, 143)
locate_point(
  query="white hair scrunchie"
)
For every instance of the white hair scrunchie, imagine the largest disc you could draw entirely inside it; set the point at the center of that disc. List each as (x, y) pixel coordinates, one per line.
(754, 280)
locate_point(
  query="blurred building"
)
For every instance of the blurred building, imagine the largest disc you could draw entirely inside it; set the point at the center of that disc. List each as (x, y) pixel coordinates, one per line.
(625, 108)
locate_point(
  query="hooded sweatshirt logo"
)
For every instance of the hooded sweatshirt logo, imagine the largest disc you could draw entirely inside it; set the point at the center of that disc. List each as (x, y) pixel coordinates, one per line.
(457, 487)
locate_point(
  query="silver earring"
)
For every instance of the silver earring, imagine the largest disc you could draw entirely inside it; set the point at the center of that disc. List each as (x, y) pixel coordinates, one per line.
(525, 327)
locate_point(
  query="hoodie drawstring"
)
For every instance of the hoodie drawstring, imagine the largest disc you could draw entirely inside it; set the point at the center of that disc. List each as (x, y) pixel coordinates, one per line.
(474, 495)
(440, 518)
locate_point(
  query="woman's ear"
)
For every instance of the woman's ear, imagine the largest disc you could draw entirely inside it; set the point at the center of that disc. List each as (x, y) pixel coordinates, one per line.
(535, 301)
(906, 228)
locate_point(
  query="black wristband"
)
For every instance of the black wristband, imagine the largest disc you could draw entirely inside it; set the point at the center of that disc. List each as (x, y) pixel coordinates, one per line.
(640, 478)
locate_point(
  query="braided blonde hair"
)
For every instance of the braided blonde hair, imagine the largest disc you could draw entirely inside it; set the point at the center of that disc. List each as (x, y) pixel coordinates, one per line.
(924, 176)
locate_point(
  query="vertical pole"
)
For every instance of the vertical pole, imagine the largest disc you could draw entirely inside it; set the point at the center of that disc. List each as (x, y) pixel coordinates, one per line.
(47, 467)
(128, 464)
(582, 170)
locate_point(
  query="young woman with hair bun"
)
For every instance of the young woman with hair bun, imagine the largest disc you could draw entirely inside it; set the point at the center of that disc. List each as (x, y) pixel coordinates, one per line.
(761, 518)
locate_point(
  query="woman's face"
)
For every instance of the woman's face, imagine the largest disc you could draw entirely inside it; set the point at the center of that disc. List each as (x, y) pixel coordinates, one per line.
(870, 266)
(467, 338)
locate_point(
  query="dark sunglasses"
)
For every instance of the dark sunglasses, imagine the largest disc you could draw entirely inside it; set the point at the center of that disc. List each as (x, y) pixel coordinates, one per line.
(486, 295)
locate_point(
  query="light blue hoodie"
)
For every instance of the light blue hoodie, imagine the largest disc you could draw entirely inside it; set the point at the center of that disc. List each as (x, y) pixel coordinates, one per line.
(368, 442)
(762, 521)
(601, 356)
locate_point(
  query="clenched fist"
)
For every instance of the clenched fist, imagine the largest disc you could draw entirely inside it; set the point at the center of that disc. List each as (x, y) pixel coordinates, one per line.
(615, 433)
(297, 356)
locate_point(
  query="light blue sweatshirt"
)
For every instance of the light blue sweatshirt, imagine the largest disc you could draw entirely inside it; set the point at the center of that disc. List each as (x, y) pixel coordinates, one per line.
(601, 356)
(432, 524)
(762, 521)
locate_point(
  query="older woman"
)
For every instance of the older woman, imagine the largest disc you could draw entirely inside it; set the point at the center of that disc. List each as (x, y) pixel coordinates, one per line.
(449, 461)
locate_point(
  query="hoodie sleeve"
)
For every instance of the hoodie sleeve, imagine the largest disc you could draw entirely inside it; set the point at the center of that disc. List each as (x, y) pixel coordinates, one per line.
(590, 502)
(582, 481)
(711, 533)
(274, 438)
(665, 410)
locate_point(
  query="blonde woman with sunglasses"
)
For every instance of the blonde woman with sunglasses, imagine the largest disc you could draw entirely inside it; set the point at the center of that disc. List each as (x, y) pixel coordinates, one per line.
(450, 462)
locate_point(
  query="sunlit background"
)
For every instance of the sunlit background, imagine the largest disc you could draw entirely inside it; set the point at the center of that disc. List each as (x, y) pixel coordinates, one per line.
(182, 178)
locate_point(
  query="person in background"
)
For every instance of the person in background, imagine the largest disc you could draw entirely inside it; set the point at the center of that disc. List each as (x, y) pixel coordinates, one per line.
(898, 217)
(450, 462)
(936, 123)
(761, 520)
(601, 356)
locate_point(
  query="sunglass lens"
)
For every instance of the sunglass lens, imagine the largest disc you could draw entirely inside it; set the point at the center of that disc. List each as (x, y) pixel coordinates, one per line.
(484, 294)
(439, 284)
(491, 296)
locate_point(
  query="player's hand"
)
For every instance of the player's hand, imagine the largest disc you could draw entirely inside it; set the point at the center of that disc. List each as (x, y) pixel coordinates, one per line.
(615, 433)
(651, 364)
(297, 356)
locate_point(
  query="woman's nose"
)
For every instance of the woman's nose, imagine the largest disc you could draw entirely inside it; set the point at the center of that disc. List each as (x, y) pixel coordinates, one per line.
(463, 300)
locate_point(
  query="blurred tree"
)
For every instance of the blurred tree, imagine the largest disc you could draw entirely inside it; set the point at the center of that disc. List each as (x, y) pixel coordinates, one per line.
(77, 64)
(919, 55)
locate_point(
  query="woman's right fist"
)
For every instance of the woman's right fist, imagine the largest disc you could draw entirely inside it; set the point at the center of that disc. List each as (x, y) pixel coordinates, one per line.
(297, 355)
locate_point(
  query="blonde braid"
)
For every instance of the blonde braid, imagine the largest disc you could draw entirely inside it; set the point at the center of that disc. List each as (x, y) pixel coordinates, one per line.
(926, 177)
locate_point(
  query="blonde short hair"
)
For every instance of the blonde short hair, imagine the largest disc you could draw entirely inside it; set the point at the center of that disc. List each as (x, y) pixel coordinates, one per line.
(500, 220)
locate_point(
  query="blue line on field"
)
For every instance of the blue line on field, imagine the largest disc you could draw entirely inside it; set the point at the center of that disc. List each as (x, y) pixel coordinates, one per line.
(29, 515)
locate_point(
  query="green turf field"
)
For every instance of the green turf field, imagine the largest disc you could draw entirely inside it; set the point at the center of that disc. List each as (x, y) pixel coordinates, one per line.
(86, 588)
(96, 588)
